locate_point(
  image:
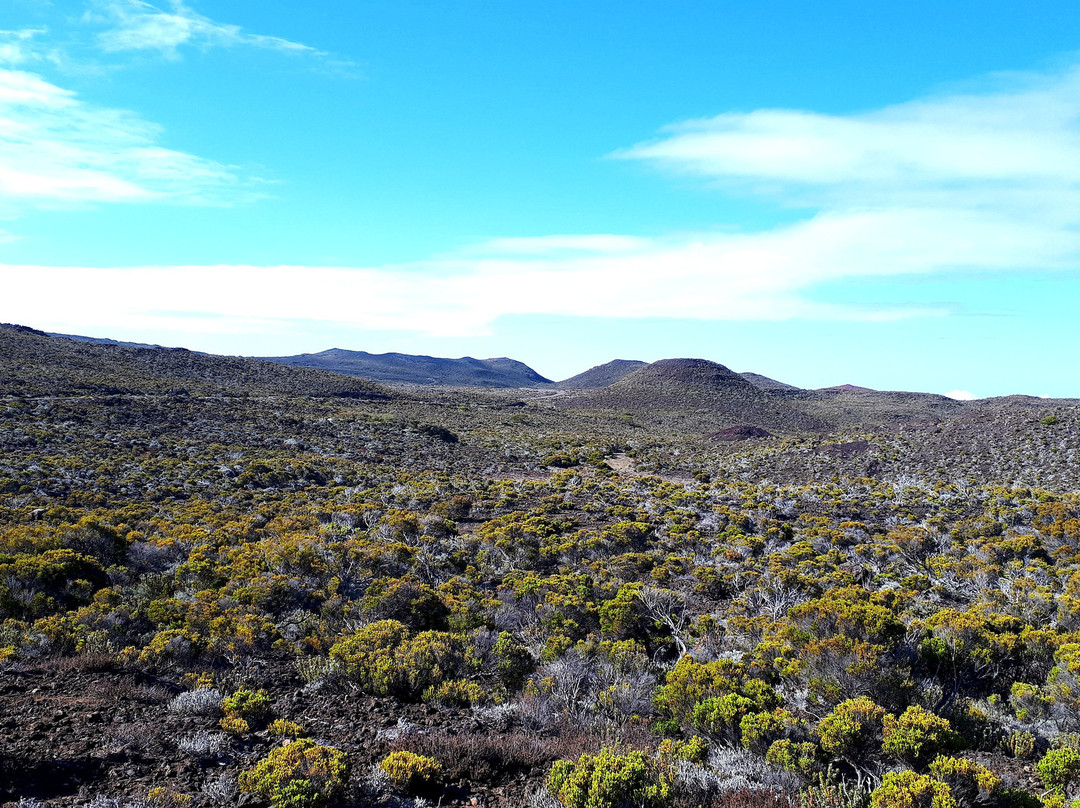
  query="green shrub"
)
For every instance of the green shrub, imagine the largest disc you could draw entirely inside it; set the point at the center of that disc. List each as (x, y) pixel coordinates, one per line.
(286, 729)
(609, 780)
(800, 758)
(917, 735)
(907, 789)
(368, 656)
(384, 660)
(969, 782)
(1059, 769)
(853, 729)
(1019, 744)
(455, 693)
(251, 706)
(759, 730)
(411, 773)
(302, 774)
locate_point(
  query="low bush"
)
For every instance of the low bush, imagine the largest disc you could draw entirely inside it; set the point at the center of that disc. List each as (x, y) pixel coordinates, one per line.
(411, 773)
(302, 774)
(609, 780)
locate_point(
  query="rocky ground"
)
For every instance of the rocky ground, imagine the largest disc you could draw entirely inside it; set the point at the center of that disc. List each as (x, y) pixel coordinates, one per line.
(80, 729)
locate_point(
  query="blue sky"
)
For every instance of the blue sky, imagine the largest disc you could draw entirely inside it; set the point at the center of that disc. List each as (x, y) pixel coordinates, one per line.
(880, 194)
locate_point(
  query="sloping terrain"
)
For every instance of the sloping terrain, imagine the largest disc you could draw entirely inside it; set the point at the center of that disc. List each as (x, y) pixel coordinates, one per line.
(486, 586)
(694, 393)
(602, 375)
(425, 370)
(33, 363)
(765, 383)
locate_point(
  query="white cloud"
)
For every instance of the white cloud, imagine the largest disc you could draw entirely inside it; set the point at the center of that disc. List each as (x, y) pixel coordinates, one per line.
(979, 181)
(975, 183)
(961, 395)
(1017, 137)
(18, 47)
(56, 148)
(136, 25)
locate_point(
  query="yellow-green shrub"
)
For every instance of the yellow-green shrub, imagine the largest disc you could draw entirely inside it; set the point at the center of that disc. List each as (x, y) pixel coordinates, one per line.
(285, 729)
(411, 773)
(853, 729)
(917, 735)
(302, 774)
(970, 782)
(609, 780)
(455, 693)
(253, 706)
(907, 789)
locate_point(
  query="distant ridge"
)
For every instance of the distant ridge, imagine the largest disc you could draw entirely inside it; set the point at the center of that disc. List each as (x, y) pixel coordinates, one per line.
(105, 341)
(602, 375)
(411, 369)
(846, 388)
(34, 363)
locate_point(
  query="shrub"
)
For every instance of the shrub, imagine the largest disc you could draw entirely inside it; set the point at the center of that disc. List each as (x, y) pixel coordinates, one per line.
(907, 789)
(969, 782)
(608, 780)
(853, 729)
(1019, 744)
(285, 729)
(368, 655)
(204, 701)
(455, 693)
(411, 773)
(1059, 769)
(799, 758)
(917, 735)
(202, 744)
(235, 725)
(759, 730)
(302, 774)
(252, 706)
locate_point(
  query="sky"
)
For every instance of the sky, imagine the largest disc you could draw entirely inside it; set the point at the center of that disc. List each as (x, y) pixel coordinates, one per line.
(838, 192)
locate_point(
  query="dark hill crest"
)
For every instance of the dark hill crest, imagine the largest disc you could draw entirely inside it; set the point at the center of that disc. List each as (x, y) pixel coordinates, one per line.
(602, 375)
(417, 369)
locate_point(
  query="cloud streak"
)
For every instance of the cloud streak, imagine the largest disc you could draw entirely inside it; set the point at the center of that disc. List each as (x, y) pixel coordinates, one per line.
(971, 183)
(137, 25)
(57, 149)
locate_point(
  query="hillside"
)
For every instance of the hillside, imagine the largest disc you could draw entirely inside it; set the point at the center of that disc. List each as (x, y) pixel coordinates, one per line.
(602, 375)
(487, 585)
(694, 393)
(33, 363)
(765, 383)
(424, 370)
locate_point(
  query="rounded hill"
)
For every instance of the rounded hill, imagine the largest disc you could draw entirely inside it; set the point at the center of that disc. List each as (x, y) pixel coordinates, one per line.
(697, 390)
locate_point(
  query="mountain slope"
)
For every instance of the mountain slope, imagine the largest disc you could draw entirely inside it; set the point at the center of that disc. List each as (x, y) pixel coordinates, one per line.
(34, 363)
(602, 375)
(696, 392)
(765, 383)
(411, 369)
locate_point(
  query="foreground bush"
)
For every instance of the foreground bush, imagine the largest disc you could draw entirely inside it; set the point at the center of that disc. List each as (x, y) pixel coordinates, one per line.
(609, 780)
(907, 789)
(411, 773)
(302, 774)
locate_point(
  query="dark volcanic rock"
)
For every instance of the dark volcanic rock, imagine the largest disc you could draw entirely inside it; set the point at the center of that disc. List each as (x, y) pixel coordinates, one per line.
(742, 432)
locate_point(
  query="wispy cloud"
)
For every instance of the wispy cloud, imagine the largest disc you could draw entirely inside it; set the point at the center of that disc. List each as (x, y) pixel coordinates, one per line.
(977, 183)
(58, 149)
(137, 25)
(994, 147)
